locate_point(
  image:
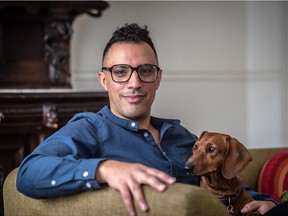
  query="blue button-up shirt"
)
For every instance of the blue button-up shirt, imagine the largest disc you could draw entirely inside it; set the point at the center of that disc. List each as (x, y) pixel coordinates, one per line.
(66, 161)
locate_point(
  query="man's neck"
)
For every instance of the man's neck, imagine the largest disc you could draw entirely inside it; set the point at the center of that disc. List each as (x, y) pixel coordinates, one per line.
(148, 126)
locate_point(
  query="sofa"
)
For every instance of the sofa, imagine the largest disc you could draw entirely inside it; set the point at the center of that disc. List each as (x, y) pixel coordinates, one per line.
(179, 199)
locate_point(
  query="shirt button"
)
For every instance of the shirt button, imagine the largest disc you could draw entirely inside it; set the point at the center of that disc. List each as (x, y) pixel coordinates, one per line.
(85, 174)
(164, 153)
(53, 182)
(88, 185)
(146, 134)
(133, 124)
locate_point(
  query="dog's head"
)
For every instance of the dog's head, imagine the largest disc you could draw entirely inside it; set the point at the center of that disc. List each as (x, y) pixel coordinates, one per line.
(214, 152)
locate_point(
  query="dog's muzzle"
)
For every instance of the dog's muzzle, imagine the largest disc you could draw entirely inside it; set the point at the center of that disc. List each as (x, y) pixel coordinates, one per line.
(189, 168)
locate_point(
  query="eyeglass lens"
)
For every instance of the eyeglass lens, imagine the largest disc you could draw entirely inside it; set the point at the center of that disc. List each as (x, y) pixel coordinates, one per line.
(146, 72)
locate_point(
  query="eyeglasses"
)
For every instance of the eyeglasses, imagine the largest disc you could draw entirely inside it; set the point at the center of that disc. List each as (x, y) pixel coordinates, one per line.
(120, 73)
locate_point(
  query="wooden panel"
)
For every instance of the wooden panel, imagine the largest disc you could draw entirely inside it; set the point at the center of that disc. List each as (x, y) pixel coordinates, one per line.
(28, 117)
(34, 54)
(35, 41)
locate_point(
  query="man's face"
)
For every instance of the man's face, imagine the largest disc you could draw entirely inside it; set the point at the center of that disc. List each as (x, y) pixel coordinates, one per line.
(132, 99)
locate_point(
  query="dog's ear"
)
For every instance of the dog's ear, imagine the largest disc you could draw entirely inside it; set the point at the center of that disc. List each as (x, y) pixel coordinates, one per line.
(202, 134)
(236, 158)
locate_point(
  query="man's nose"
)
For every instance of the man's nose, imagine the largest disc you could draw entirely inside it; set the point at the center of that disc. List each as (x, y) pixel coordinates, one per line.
(135, 80)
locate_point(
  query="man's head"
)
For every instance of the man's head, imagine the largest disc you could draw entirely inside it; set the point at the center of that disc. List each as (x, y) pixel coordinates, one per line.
(130, 33)
(130, 72)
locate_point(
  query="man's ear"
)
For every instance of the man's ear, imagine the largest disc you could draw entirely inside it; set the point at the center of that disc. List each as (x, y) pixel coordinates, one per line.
(102, 80)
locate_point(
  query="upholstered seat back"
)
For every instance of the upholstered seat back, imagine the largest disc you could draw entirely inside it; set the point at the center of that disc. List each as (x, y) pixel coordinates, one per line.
(177, 200)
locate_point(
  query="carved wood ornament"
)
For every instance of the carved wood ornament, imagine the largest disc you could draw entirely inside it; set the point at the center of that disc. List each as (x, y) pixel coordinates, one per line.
(35, 41)
(35, 94)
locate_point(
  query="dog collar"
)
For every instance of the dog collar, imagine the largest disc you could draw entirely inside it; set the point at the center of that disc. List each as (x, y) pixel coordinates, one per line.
(229, 199)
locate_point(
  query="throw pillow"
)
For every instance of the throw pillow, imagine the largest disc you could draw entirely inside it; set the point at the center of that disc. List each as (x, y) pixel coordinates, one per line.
(273, 179)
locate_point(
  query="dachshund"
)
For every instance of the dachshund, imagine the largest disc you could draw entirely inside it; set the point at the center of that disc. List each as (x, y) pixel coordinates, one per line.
(218, 159)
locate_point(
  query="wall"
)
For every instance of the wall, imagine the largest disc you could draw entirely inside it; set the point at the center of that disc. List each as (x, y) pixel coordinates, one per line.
(224, 63)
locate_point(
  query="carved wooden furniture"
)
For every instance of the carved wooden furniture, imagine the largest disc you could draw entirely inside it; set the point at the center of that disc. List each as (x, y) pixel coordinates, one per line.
(34, 41)
(35, 90)
(28, 117)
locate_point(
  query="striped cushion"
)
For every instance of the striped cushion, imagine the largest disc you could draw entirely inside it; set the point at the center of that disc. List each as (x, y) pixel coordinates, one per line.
(273, 178)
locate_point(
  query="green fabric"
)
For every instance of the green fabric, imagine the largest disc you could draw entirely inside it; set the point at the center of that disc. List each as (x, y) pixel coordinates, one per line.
(259, 157)
(177, 200)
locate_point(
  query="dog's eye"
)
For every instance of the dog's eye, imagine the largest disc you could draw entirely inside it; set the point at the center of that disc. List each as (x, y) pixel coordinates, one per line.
(211, 149)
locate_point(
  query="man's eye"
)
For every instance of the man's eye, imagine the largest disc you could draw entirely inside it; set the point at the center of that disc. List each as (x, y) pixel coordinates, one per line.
(146, 71)
(120, 72)
(211, 149)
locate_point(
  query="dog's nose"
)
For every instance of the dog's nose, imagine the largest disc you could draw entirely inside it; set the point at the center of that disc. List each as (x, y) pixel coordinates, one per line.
(189, 168)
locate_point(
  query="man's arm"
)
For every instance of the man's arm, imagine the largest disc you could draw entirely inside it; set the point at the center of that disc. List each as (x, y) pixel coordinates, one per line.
(63, 164)
(44, 176)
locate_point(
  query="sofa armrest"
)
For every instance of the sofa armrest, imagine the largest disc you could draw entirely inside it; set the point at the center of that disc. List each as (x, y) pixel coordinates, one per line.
(259, 157)
(178, 199)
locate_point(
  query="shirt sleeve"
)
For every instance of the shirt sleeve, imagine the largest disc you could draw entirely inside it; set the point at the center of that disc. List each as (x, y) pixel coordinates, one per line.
(258, 196)
(65, 163)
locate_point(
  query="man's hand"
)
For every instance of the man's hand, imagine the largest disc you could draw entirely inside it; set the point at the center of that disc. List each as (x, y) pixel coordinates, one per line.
(127, 179)
(261, 206)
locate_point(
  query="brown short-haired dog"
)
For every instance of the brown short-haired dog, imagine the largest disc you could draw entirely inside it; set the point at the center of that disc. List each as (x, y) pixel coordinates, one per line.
(218, 159)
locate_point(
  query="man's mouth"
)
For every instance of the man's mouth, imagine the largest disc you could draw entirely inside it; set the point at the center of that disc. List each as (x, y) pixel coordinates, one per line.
(134, 98)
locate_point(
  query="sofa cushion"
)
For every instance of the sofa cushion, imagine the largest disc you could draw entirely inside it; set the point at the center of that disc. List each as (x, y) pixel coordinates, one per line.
(273, 178)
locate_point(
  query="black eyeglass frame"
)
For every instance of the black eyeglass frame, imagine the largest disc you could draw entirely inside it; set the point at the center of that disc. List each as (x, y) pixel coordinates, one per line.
(132, 70)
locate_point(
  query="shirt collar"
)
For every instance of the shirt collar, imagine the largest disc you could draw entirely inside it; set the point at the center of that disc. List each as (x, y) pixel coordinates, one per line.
(158, 123)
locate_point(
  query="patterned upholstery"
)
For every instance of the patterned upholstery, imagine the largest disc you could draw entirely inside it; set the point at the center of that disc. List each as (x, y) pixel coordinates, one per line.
(273, 178)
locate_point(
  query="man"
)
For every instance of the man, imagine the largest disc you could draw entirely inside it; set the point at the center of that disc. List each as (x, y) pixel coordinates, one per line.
(122, 146)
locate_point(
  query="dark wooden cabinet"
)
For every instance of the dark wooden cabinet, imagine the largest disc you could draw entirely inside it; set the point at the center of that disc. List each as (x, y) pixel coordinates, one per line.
(35, 41)
(28, 117)
(36, 96)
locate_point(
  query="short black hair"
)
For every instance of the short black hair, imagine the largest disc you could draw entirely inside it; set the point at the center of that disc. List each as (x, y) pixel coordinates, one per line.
(131, 33)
